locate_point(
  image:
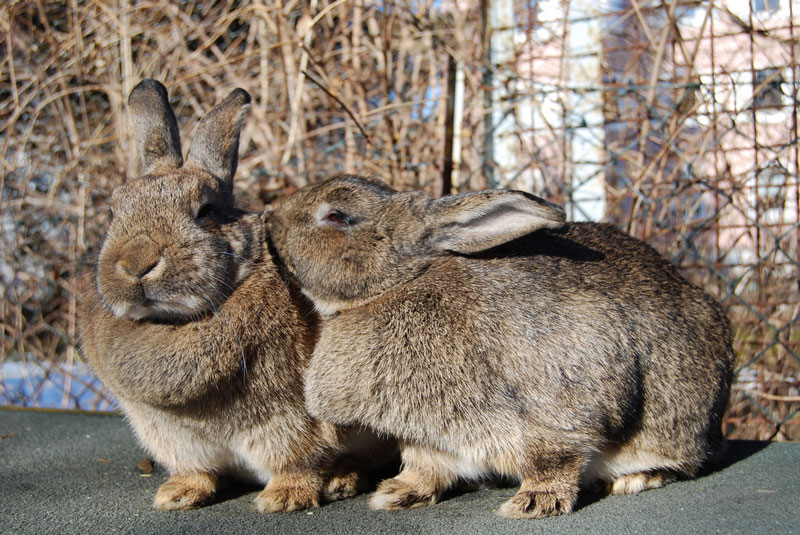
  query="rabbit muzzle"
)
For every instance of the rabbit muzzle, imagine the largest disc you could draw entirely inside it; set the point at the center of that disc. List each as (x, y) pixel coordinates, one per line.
(134, 282)
(140, 260)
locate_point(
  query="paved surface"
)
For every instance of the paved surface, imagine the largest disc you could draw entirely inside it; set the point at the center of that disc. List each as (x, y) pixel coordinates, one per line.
(77, 473)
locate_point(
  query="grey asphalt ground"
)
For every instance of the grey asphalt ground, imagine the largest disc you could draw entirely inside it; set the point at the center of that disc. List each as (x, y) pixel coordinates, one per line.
(77, 473)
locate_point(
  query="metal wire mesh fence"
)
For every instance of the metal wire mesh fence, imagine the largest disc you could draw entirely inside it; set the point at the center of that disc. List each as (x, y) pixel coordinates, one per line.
(677, 121)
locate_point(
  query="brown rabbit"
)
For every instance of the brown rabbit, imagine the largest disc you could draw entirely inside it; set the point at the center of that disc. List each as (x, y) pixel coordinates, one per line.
(196, 332)
(490, 337)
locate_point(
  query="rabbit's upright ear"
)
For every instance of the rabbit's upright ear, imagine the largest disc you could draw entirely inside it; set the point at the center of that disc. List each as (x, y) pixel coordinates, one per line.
(215, 146)
(155, 126)
(474, 222)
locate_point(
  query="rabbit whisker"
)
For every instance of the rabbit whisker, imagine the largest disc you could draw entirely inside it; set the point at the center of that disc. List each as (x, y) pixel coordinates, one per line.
(223, 282)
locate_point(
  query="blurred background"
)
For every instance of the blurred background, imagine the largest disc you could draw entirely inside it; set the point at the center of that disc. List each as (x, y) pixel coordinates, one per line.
(675, 120)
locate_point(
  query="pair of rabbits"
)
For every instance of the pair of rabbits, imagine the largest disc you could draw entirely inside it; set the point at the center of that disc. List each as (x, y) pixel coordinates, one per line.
(480, 331)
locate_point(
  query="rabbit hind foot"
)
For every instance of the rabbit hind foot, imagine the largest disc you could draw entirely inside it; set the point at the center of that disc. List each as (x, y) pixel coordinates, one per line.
(344, 484)
(395, 494)
(538, 504)
(640, 481)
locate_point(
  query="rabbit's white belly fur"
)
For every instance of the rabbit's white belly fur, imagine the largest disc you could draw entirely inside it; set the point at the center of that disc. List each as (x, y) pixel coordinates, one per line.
(245, 454)
(468, 463)
(471, 464)
(602, 467)
(609, 466)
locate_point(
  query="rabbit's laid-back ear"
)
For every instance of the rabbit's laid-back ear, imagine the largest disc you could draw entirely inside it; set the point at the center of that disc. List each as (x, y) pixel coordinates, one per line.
(155, 127)
(215, 146)
(474, 222)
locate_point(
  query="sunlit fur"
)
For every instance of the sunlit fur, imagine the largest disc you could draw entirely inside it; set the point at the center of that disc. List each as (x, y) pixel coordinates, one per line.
(490, 337)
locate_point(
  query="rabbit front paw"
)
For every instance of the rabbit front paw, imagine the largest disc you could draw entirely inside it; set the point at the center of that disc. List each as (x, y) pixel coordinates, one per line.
(537, 504)
(394, 494)
(285, 497)
(181, 492)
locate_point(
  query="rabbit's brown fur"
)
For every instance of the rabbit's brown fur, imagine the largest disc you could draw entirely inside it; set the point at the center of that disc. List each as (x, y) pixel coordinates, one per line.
(194, 330)
(569, 353)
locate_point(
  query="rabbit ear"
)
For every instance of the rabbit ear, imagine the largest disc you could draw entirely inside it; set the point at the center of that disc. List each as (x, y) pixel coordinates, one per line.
(215, 147)
(156, 129)
(474, 222)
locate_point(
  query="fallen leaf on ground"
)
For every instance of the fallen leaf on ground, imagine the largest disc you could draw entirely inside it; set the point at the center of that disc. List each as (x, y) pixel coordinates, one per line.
(145, 465)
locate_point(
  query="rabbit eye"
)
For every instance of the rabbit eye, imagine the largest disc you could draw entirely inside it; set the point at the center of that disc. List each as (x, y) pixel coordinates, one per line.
(205, 211)
(339, 219)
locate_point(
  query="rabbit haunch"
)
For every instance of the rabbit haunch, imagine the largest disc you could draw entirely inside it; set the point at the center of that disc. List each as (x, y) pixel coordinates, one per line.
(195, 331)
(558, 353)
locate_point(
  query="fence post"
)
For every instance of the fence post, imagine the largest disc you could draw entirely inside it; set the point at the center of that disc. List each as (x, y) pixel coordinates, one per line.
(585, 123)
(501, 159)
(453, 124)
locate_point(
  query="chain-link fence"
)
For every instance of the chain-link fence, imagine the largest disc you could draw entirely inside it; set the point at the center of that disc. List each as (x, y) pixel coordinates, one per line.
(677, 121)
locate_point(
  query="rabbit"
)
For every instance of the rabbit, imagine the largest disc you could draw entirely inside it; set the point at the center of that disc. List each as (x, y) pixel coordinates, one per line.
(492, 338)
(195, 331)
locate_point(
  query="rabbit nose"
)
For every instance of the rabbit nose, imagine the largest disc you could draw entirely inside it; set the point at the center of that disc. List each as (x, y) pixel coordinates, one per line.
(137, 272)
(140, 259)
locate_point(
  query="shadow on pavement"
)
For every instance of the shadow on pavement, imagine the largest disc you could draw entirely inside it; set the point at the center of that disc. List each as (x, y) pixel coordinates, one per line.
(735, 451)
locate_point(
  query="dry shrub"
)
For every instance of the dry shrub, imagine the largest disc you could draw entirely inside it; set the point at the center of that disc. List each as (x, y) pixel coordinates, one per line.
(353, 90)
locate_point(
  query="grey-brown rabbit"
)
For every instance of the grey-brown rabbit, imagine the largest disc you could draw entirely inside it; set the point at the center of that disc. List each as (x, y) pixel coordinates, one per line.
(195, 331)
(490, 337)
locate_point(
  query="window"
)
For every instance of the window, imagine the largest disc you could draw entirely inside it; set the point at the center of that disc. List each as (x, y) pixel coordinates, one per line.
(767, 90)
(771, 193)
(766, 5)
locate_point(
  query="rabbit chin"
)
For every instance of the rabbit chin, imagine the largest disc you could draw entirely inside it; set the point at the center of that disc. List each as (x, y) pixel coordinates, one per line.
(185, 307)
(330, 307)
